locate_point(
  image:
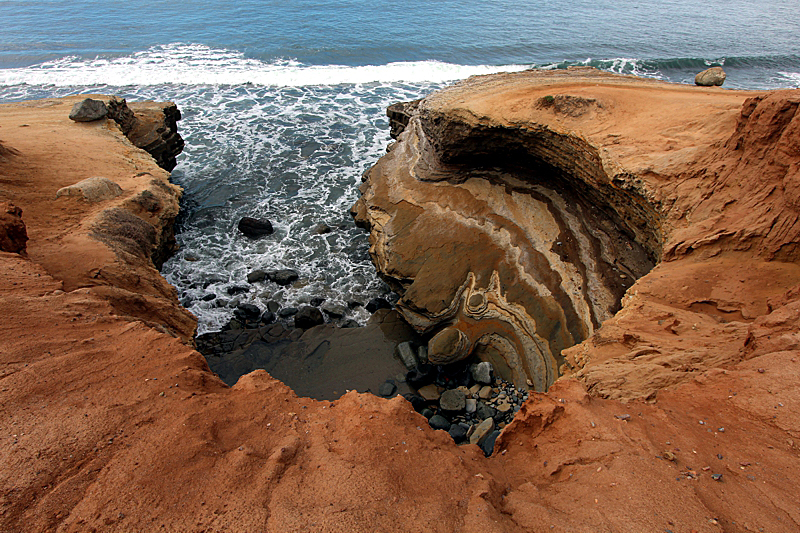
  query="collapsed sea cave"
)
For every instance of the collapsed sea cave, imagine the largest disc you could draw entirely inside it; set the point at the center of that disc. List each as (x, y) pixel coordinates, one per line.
(505, 245)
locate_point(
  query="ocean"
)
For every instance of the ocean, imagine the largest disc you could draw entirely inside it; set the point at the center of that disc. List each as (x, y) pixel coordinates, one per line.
(284, 102)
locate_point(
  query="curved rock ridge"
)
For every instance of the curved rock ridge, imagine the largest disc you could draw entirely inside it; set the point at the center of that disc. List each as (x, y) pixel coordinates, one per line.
(511, 233)
(557, 191)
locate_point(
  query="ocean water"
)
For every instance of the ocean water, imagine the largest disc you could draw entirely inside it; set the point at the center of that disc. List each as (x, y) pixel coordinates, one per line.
(283, 102)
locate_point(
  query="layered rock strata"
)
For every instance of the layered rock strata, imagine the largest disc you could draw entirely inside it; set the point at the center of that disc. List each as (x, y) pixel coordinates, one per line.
(516, 211)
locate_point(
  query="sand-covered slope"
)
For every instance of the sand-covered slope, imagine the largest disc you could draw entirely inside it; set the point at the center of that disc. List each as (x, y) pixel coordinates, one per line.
(108, 422)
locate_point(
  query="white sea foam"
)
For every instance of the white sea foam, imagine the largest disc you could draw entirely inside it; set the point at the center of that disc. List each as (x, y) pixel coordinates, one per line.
(793, 77)
(195, 64)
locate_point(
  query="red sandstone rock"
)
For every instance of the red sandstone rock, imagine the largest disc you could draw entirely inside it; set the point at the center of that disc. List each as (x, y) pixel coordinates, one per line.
(110, 424)
(12, 229)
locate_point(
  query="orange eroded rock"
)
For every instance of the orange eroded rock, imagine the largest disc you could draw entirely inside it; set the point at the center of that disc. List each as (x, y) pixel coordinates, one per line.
(109, 424)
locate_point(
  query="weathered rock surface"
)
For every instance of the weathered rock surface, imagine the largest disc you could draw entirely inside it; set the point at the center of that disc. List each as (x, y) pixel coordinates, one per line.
(94, 189)
(13, 235)
(88, 110)
(710, 77)
(505, 228)
(151, 126)
(110, 424)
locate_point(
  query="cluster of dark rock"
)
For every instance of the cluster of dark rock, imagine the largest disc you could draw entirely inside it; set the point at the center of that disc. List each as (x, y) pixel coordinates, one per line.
(148, 125)
(249, 315)
(465, 399)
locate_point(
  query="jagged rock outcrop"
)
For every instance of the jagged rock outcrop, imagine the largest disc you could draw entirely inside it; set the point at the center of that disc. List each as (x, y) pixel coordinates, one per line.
(151, 126)
(106, 234)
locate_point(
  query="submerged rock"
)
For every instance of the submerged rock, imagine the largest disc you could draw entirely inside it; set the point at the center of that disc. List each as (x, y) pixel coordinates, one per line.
(283, 277)
(254, 227)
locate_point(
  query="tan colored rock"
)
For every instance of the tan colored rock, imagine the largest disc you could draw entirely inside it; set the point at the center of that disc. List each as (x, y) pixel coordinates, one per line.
(430, 392)
(710, 77)
(485, 392)
(94, 189)
(482, 431)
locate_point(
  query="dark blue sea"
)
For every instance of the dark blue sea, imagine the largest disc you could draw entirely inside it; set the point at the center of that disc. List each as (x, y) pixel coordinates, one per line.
(283, 102)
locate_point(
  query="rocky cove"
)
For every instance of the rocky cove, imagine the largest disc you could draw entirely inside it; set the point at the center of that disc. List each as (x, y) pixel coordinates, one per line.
(636, 238)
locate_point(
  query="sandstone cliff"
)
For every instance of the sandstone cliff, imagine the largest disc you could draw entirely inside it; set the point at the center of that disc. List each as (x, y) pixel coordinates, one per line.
(110, 424)
(517, 210)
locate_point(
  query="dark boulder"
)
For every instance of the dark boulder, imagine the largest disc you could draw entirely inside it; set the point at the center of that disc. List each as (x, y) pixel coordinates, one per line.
(255, 227)
(439, 422)
(458, 432)
(308, 317)
(88, 110)
(287, 312)
(13, 235)
(378, 303)
(416, 401)
(423, 375)
(283, 277)
(268, 317)
(256, 276)
(247, 311)
(488, 443)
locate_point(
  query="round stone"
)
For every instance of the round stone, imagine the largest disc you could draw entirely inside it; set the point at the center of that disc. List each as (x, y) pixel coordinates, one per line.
(452, 400)
(448, 346)
(439, 422)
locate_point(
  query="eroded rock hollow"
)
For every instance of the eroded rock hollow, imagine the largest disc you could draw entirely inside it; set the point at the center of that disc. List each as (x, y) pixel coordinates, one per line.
(508, 240)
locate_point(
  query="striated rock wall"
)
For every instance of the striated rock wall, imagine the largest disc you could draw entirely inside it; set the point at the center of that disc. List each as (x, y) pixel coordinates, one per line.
(517, 210)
